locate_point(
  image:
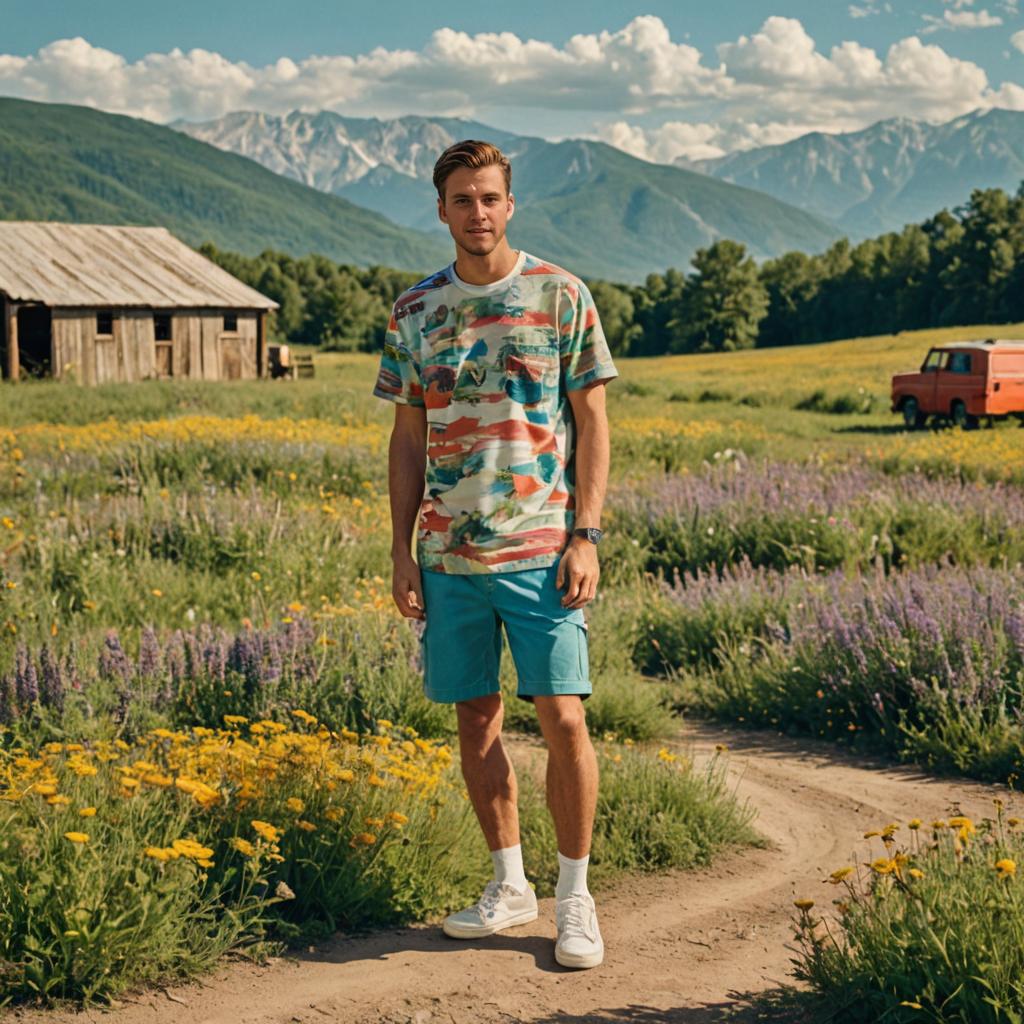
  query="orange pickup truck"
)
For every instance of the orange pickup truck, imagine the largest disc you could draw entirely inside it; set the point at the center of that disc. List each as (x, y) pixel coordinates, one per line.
(963, 381)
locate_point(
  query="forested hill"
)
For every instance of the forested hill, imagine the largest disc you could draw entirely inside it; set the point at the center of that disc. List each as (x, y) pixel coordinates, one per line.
(62, 162)
(964, 267)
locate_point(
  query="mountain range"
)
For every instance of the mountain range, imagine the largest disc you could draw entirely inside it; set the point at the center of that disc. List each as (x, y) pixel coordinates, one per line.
(895, 172)
(583, 204)
(359, 191)
(71, 163)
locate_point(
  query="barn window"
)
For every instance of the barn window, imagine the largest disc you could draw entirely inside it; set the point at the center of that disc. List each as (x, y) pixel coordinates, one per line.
(162, 326)
(104, 322)
(230, 321)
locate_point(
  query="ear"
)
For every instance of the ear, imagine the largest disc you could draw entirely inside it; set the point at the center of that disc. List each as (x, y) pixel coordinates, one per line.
(511, 205)
(441, 215)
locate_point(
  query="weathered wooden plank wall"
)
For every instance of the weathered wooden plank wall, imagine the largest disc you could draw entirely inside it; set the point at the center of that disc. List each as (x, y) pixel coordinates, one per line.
(202, 350)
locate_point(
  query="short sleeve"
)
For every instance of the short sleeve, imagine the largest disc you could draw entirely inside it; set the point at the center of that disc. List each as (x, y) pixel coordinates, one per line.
(398, 378)
(584, 351)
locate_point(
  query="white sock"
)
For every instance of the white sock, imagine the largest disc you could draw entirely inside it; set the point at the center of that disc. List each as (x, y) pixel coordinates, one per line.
(572, 876)
(508, 867)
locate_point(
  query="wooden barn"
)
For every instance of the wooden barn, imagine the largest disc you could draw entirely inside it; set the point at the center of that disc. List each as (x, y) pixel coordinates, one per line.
(104, 303)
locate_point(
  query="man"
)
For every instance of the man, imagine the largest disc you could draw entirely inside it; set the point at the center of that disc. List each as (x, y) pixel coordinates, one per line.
(500, 448)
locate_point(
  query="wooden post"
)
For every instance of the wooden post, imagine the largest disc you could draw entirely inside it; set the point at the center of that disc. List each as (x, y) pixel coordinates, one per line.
(261, 343)
(13, 360)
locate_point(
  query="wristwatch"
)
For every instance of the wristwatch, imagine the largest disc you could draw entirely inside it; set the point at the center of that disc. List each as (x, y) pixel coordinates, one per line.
(591, 533)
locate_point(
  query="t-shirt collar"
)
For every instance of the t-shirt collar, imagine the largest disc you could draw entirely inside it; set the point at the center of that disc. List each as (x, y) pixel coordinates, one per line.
(494, 286)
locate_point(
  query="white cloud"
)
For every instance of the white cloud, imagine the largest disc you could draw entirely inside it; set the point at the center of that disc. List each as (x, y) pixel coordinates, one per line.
(635, 86)
(872, 7)
(956, 18)
(1018, 40)
(665, 144)
(636, 67)
(972, 19)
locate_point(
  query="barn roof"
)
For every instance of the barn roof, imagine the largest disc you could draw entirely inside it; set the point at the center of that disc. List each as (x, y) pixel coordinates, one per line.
(108, 265)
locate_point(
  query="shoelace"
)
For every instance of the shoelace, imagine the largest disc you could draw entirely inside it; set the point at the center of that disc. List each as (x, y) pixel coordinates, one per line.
(571, 917)
(493, 892)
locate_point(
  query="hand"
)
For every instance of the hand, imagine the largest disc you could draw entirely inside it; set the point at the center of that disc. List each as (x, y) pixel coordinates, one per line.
(407, 588)
(579, 567)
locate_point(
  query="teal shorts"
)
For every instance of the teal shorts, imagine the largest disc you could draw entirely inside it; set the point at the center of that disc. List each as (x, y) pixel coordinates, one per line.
(462, 641)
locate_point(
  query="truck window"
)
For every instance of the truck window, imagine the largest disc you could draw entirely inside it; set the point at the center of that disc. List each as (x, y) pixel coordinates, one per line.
(959, 362)
(934, 360)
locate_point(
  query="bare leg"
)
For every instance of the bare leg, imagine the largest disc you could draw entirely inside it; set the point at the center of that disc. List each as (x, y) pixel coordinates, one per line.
(572, 772)
(490, 777)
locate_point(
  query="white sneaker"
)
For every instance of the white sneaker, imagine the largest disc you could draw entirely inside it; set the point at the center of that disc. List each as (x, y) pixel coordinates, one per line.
(501, 906)
(579, 941)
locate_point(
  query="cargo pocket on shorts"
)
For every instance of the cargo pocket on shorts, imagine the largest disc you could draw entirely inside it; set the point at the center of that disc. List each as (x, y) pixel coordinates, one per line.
(584, 654)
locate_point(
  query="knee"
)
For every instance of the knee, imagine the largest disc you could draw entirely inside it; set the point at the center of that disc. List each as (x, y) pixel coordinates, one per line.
(563, 720)
(479, 725)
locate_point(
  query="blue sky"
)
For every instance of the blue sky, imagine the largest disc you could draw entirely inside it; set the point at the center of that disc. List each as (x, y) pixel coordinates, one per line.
(659, 79)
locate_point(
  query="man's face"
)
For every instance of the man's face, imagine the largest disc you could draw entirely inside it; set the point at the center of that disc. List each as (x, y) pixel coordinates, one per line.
(476, 208)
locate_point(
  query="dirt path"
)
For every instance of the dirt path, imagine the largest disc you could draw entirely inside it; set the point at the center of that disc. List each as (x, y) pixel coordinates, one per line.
(681, 948)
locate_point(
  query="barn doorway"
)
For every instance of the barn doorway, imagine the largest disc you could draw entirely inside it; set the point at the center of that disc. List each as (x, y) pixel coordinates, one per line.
(35, 341)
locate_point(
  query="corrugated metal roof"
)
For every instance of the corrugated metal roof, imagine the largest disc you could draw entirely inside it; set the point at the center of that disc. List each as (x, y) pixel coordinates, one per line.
(109, 265)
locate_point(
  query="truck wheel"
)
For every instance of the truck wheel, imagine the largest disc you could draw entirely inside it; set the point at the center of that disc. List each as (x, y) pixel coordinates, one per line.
(960, 417)
(912, 415)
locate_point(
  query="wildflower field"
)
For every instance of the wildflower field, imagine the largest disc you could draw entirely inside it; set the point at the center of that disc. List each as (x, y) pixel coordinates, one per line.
(214, 736)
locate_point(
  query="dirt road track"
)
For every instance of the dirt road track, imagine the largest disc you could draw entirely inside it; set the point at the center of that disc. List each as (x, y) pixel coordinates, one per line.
(682, 948)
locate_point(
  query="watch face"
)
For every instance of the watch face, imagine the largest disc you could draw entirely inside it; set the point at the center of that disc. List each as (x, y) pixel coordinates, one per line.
(591, 533)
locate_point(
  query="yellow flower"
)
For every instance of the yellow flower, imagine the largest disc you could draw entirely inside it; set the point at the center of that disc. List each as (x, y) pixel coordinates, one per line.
(334, 814)
(363, 839)
(235, 719)
(306, 826)
(374, 822)
(295, 804)
(157, 593)
(159, 853)
(916, 873)
(837, 876)
(58, 800)
(883, 865)
(266, 830)
(1006, 868)
(803, 904)
(77, 837)
(243, 846)
(397, 818)
(914, 824)
(190, 848)
(88, 812)
(664, 755)
(375, 780)
(345, 775)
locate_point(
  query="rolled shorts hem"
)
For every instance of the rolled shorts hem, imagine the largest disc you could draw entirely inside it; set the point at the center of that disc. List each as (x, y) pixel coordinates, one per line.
(554, 688)
(481, 689)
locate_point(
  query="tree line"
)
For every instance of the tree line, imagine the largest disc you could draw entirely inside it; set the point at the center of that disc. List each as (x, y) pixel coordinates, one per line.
(958, 267)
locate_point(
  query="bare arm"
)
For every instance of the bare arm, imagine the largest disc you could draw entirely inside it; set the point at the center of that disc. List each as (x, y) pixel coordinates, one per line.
(407, 457)
(579, 564)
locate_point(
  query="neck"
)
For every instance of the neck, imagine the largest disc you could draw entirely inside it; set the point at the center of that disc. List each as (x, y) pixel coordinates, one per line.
(498, 263)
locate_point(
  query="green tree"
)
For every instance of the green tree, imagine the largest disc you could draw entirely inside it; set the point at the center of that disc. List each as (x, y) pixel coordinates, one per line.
(615, 307)
(723, 302)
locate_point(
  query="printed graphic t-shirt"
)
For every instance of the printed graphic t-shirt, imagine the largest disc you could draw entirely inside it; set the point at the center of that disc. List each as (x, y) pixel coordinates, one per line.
(492, 365)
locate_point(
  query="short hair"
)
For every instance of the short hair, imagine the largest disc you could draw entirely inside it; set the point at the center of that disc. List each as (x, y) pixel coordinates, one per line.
(470, 153)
